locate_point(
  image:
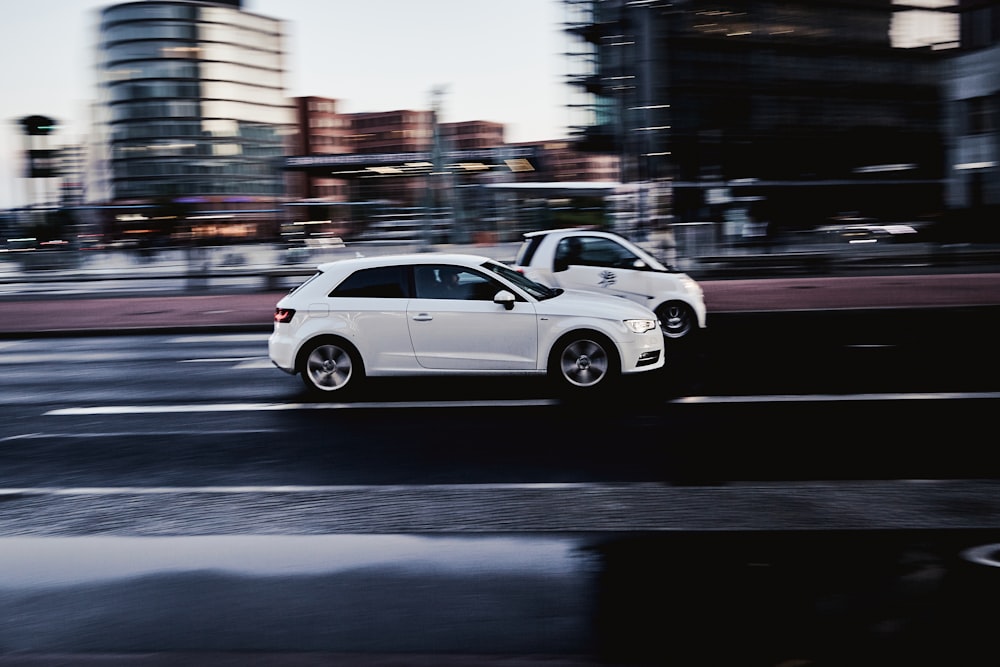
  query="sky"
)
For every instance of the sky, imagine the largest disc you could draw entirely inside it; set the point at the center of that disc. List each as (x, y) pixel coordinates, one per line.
(496, 60)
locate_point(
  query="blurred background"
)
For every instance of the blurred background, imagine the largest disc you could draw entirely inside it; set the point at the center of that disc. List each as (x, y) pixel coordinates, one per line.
(728, 126)
(809, 483)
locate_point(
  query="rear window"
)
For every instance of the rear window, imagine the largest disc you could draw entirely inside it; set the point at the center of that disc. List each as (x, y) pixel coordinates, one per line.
(527, 250)
(382, 282)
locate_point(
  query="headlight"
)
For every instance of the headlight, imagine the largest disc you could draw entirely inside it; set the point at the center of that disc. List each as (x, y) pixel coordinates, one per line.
(640, 326)
(690, 285)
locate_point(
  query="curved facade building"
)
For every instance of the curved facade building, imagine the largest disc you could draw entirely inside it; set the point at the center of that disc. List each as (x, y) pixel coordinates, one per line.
(194, 105)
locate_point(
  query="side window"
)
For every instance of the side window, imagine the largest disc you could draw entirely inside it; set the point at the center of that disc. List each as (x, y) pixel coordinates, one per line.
(592, 251)
(383, 282)
(568, 252)
(440, 281)
(605, 252)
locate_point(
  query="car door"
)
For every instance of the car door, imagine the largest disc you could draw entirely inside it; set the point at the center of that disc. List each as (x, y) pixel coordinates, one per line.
(370, 307)
(600, 264)
(461, 328)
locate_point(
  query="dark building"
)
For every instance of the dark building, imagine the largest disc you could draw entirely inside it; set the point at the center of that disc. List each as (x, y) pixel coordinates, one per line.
(972, 95)
(796, 112)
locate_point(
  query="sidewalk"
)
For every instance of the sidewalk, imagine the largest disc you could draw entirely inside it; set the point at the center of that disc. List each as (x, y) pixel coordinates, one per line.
(100, 296)
(41, 315)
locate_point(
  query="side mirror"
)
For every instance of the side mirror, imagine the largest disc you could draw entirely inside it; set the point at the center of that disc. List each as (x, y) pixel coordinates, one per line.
(639, 264)
(505, 299)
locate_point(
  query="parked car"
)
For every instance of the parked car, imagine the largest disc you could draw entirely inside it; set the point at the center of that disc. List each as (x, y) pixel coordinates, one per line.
(400, 315)
(608, 263)
(867, 233)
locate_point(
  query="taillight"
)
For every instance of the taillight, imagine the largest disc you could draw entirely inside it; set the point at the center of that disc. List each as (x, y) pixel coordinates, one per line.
(283, 315)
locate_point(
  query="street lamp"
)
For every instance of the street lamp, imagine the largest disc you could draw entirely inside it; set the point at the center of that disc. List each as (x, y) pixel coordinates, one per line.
(42, 160)
(37, 125)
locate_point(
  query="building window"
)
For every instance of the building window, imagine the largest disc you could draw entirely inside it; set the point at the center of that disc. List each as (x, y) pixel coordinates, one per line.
(980, 115)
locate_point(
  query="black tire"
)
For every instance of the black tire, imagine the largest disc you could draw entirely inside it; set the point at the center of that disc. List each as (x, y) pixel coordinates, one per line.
(677, 320)
(584, 361)
(331, 367)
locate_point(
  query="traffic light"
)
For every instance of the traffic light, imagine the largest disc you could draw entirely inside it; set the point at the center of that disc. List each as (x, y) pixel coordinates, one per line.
(38, 125)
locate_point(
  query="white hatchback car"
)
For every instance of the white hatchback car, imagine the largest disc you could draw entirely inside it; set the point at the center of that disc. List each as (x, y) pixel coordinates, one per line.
(439, 313)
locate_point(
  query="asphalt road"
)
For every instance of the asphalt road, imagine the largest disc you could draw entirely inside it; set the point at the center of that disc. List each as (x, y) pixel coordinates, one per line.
(169, 497)
(766, 398)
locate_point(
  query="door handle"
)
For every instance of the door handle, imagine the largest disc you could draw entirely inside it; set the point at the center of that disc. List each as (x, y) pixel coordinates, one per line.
(423, 317)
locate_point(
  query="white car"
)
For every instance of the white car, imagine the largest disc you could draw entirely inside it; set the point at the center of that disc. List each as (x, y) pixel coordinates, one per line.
(605, 262)
(401, 315)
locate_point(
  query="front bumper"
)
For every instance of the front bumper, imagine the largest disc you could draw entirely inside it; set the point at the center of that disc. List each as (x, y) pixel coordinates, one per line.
(642, 352)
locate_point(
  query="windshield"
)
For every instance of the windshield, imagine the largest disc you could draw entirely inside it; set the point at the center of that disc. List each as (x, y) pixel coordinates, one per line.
(651, 261)
(532, 287)
(600, 250)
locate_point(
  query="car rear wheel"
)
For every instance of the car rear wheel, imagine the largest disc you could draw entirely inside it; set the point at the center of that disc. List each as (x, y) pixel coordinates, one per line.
(331, 367)
(676, 319)
(584, 361)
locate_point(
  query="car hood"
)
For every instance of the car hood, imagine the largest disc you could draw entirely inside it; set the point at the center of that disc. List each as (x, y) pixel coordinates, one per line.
(595, 304)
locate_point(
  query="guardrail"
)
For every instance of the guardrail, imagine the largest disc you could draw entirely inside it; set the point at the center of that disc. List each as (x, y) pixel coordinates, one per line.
(826, 262)
(768, 263)
(274, 277)
(269, 264)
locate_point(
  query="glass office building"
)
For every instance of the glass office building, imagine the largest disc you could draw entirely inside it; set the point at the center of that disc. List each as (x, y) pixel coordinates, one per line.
(801, 110)
(193, 104)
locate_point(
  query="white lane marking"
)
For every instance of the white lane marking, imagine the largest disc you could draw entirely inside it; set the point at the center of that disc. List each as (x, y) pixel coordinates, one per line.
(222, 338)
(243, 363)
(68, 357)
(84, 357)
(40, 435)
(258, 407)
(22, 436)
(257, 362)
(686, 400)
(833, 398)
(291, 488)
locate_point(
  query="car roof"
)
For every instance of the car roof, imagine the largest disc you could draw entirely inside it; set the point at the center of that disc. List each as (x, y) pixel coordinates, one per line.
(465, 259)
(569, 230)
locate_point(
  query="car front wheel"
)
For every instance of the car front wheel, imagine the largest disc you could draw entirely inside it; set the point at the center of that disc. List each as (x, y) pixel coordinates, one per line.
(676, 319)
(331, 367)
(584, 361)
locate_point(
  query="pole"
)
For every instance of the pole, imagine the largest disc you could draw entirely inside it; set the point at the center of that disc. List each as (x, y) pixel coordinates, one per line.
(437, 167)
